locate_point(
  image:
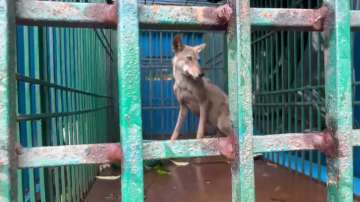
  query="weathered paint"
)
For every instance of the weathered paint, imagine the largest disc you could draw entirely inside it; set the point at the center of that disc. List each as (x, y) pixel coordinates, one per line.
(65, 14)
(184, 16)
(355, 20)
(153, 150)
(7, 102)
(356, 138)
(291, 142)
(166, 16)
(338, 92)
(66, 155)
(104, 15)
(294, 19)
(132, 180)
(240, 96)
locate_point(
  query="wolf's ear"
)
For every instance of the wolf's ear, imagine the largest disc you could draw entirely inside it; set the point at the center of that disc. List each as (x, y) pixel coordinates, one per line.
(199, 48)
(177, 44)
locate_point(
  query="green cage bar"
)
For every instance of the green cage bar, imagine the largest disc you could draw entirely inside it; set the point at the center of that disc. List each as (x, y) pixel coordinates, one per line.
(239, 69)
(132, 178)
(86, 104)
(7, 102)
(338, 91)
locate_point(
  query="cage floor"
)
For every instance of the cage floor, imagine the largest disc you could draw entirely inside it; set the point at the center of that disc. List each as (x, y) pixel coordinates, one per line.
(208, 180)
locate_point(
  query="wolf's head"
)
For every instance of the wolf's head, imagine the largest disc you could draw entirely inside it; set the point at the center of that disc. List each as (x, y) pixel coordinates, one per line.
(186, 58)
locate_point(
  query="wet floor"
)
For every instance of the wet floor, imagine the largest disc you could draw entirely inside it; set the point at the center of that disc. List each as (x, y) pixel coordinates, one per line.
(209, 181)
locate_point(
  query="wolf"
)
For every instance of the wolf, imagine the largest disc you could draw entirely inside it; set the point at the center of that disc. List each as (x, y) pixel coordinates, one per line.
(196, 93)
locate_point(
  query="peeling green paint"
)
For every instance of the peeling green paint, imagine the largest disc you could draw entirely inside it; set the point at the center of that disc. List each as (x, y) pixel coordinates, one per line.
(338, 92)
(132, 183)
(7, 101)
(163, 16)
(129, 18)
(239, 71)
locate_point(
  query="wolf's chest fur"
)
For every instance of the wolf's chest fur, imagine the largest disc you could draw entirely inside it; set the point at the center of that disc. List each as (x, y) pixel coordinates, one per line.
(190, 92)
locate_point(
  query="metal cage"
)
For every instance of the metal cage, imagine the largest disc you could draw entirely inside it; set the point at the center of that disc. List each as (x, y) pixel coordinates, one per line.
(71, 115)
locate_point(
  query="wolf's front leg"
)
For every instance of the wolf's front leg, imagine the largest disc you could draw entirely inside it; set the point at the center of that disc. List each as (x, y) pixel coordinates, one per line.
(181, 117)
(202, 121)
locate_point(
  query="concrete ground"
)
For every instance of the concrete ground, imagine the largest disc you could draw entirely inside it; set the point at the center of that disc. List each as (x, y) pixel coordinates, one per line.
(208, 180)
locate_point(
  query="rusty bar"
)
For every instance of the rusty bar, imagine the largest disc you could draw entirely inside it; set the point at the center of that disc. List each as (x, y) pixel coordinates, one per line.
(71, 14)
(288, 142)
(338, 94)
(356, 138)
(239, 56)
(285, 18)
(64, 155)
(8, 181)
(104, 15)
(180, 148)
(355, 20)
(96, 153)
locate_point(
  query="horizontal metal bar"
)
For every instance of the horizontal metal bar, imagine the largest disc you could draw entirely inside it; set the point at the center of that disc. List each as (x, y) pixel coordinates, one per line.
(285, 18)
(180, 148)
(104, 15)
(355, 20)
(286, 142)
(356, 137)
(71, 14)
(56, 86)
(164, 149)
(63, 155)
(32, 117)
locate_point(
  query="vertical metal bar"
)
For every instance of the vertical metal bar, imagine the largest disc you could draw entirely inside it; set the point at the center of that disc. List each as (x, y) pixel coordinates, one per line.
(67, 108)
(338, 100)
(80, 120)
(27, 102)
(52, 121)
(311, 85)
(59, 99)
(302, 57)
(318, 73)
(282, 45)
(294, 95)
(132, 179)
(239, 64)
(38, 131)
(72, 108)
(288, 95)
(7, 101)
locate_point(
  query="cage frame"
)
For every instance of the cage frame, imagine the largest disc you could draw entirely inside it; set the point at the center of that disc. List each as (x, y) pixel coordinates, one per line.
(129, 17)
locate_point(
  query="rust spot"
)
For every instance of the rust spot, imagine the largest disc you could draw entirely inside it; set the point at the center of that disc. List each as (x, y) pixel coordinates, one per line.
(266, 15)
(324, 141)
(104, 153)
(104, 13)
(224, 13)
(114, 153)
(319, 17)
(226, 147)
(220, 15)
(18, 149)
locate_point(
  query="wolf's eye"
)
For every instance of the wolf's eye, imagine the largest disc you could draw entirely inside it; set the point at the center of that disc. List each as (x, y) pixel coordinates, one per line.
(189, 58)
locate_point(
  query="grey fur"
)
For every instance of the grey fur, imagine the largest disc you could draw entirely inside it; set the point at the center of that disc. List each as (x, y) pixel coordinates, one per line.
(197, 94)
